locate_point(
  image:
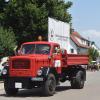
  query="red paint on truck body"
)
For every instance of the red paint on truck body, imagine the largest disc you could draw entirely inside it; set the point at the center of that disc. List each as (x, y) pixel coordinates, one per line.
(27, 65)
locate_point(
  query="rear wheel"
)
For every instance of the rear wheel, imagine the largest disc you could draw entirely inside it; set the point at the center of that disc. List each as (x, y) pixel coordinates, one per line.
(78, 81)
(50, 85)
(9, 91)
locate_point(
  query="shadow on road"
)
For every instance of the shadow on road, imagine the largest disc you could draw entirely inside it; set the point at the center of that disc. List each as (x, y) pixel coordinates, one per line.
(37, 92)
(62, 88)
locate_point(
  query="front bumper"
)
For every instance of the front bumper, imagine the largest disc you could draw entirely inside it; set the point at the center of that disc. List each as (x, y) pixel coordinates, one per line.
(26, 83)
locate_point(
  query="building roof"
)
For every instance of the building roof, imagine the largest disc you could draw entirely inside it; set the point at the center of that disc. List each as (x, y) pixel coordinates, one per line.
(76, 41)
(76, 34)
(79, 36)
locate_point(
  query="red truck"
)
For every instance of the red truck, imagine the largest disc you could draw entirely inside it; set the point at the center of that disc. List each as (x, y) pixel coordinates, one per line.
(44, 64)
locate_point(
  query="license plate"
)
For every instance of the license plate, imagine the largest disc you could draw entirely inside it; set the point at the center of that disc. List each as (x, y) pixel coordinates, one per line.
(18, 85)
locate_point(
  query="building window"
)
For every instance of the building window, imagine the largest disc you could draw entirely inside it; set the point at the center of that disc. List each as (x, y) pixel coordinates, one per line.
(72, 50)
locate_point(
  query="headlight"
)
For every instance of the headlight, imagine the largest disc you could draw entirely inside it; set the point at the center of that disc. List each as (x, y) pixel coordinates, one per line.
(4, 72)
(39, 72)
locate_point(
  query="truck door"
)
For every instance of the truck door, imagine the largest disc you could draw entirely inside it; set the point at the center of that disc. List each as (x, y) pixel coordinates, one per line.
(57, 58)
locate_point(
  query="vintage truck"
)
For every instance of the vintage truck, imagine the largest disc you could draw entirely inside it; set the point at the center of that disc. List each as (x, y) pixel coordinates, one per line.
(43, 64)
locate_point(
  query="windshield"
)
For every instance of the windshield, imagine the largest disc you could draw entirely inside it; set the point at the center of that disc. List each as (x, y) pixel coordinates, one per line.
(35, 49)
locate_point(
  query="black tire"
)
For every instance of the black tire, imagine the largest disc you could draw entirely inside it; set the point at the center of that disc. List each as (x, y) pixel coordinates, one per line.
(50, 85)
(9, 91)
(78, 81)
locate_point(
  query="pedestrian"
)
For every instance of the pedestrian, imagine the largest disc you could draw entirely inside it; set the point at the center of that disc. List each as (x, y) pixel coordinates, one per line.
(40, 38)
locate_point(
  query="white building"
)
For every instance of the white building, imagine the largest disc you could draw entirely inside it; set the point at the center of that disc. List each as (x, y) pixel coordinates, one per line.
(78, 44)
(59, 32)
(93, 45)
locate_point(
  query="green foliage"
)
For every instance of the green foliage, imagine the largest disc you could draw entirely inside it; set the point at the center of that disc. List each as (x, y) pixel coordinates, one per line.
(7, 42)
(93, 54)
(29, 18)
(2, 5)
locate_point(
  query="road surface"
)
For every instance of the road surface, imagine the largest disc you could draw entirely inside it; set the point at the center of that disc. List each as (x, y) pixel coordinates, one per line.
(91, 91)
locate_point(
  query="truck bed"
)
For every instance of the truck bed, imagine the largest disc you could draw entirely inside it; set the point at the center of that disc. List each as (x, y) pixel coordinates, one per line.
(74, 59)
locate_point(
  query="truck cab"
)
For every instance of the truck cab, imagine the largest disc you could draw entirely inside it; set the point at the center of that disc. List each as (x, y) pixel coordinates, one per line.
(32, 57)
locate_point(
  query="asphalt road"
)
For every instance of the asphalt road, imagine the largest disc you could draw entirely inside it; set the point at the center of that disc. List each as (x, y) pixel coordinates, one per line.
(91, 91)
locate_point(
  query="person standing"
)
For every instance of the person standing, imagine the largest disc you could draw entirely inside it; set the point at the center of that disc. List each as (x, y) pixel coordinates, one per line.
(40, 38)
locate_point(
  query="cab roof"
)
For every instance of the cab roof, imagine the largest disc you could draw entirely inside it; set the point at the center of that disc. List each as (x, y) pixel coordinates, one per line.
(41, 42)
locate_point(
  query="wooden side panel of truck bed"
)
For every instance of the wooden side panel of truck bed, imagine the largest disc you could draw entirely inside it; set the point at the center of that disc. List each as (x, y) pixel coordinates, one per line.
(74, 59)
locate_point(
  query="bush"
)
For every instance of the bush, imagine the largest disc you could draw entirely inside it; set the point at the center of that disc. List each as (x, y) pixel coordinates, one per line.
(7, 42)
(93, 54)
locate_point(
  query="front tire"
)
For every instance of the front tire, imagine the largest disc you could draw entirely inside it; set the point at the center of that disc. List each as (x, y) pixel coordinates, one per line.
(78, 81)
(50, 85)
(9, 91)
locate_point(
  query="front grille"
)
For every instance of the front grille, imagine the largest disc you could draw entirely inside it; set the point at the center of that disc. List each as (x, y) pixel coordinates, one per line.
(21, 64)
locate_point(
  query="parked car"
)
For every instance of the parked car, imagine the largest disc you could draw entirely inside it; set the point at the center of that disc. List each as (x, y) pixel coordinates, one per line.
(3, 61)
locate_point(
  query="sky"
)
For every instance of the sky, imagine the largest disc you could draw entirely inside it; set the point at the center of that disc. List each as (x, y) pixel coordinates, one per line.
(86, 18)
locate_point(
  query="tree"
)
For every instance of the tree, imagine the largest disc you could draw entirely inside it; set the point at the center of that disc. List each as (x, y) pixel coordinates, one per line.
(7, 42)
(29, 18)
(2, 5)
(93, 54)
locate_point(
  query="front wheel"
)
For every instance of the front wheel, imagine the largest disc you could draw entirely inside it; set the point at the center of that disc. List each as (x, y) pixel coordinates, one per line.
(50, 85)
(9, 91)
(78, 81)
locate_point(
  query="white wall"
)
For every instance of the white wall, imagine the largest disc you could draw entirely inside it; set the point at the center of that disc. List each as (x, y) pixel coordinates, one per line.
(83, 51)
(59, 32)
(77, 50)
(73, 46)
